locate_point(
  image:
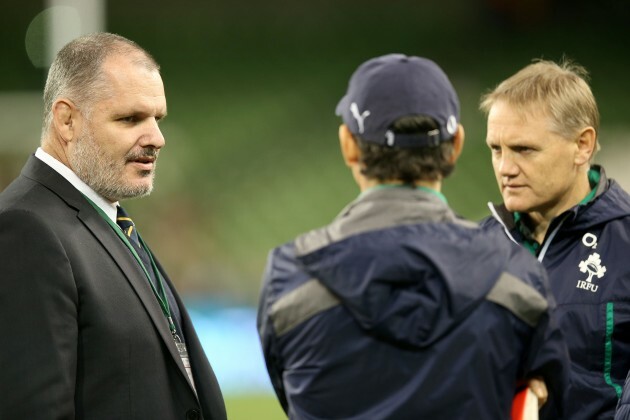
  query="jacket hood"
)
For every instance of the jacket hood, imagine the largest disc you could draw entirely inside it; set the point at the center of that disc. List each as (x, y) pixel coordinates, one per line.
(613, 203)
(410, 284)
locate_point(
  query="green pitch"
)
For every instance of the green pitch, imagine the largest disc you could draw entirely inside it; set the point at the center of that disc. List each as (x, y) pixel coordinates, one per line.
(259, 407)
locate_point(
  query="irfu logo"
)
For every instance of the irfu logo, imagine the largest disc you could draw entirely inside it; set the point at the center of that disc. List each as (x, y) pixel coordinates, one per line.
(593, 266)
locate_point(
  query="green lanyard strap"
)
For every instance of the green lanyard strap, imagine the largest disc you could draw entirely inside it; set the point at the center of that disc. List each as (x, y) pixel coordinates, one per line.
(159, 293)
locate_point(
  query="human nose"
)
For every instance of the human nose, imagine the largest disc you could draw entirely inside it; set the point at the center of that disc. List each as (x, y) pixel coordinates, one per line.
(153, 137)
(506, 165)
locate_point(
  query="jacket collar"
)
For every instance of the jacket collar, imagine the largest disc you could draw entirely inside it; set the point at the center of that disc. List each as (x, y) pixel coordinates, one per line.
(379, 209)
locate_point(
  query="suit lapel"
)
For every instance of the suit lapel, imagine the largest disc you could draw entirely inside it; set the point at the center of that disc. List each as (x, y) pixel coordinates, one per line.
(102, 231)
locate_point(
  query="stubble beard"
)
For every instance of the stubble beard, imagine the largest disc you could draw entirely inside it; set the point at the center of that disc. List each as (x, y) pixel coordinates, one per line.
(105, 175)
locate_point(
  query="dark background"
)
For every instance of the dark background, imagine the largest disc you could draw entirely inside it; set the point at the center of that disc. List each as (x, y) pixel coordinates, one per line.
(252, 156)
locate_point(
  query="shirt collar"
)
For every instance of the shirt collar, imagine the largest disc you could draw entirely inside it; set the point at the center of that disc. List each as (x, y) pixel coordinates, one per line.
(108, 207)
(593, 179)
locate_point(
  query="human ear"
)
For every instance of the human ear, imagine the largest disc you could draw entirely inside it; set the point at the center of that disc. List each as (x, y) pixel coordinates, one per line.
(458, 143)
(349, 148)
(65, 119)
(585, 143)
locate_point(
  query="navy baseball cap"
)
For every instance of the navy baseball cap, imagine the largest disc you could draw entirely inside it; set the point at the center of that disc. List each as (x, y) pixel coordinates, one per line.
(389, 87)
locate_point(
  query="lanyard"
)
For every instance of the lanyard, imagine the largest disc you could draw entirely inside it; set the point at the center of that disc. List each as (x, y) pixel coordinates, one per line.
(159, 293)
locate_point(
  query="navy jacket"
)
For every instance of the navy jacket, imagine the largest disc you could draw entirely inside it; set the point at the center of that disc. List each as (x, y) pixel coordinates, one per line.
(586, 254)
(398, 310)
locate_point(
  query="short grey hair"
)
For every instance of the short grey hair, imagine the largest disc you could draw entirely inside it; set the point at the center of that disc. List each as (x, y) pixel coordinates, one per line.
(76, 72)
(561, 91)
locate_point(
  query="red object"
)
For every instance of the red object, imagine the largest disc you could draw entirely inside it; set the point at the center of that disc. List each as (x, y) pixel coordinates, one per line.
(525, 405)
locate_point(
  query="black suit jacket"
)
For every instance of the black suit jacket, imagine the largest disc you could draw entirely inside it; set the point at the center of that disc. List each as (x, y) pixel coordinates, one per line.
(82, 333)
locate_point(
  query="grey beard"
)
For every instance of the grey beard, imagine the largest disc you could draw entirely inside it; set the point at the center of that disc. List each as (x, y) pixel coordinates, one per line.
(102, 175)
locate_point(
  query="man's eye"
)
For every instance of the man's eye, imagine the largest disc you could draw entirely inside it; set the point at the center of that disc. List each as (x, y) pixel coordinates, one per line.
(129, 119)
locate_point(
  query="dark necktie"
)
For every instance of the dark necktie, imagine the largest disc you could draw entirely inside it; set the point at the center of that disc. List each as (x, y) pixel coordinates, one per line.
(127, 226)
(129, 229)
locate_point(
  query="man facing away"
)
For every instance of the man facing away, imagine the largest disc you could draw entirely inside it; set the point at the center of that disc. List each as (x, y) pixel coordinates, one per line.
(93, 326)
(399, 309)
(543, 127)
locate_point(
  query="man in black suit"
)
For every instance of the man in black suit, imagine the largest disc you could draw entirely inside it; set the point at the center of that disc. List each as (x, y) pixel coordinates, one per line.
(92, 325)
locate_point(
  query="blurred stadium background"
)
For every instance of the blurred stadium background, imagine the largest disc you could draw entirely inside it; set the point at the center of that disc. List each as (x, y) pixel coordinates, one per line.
(251, 157)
